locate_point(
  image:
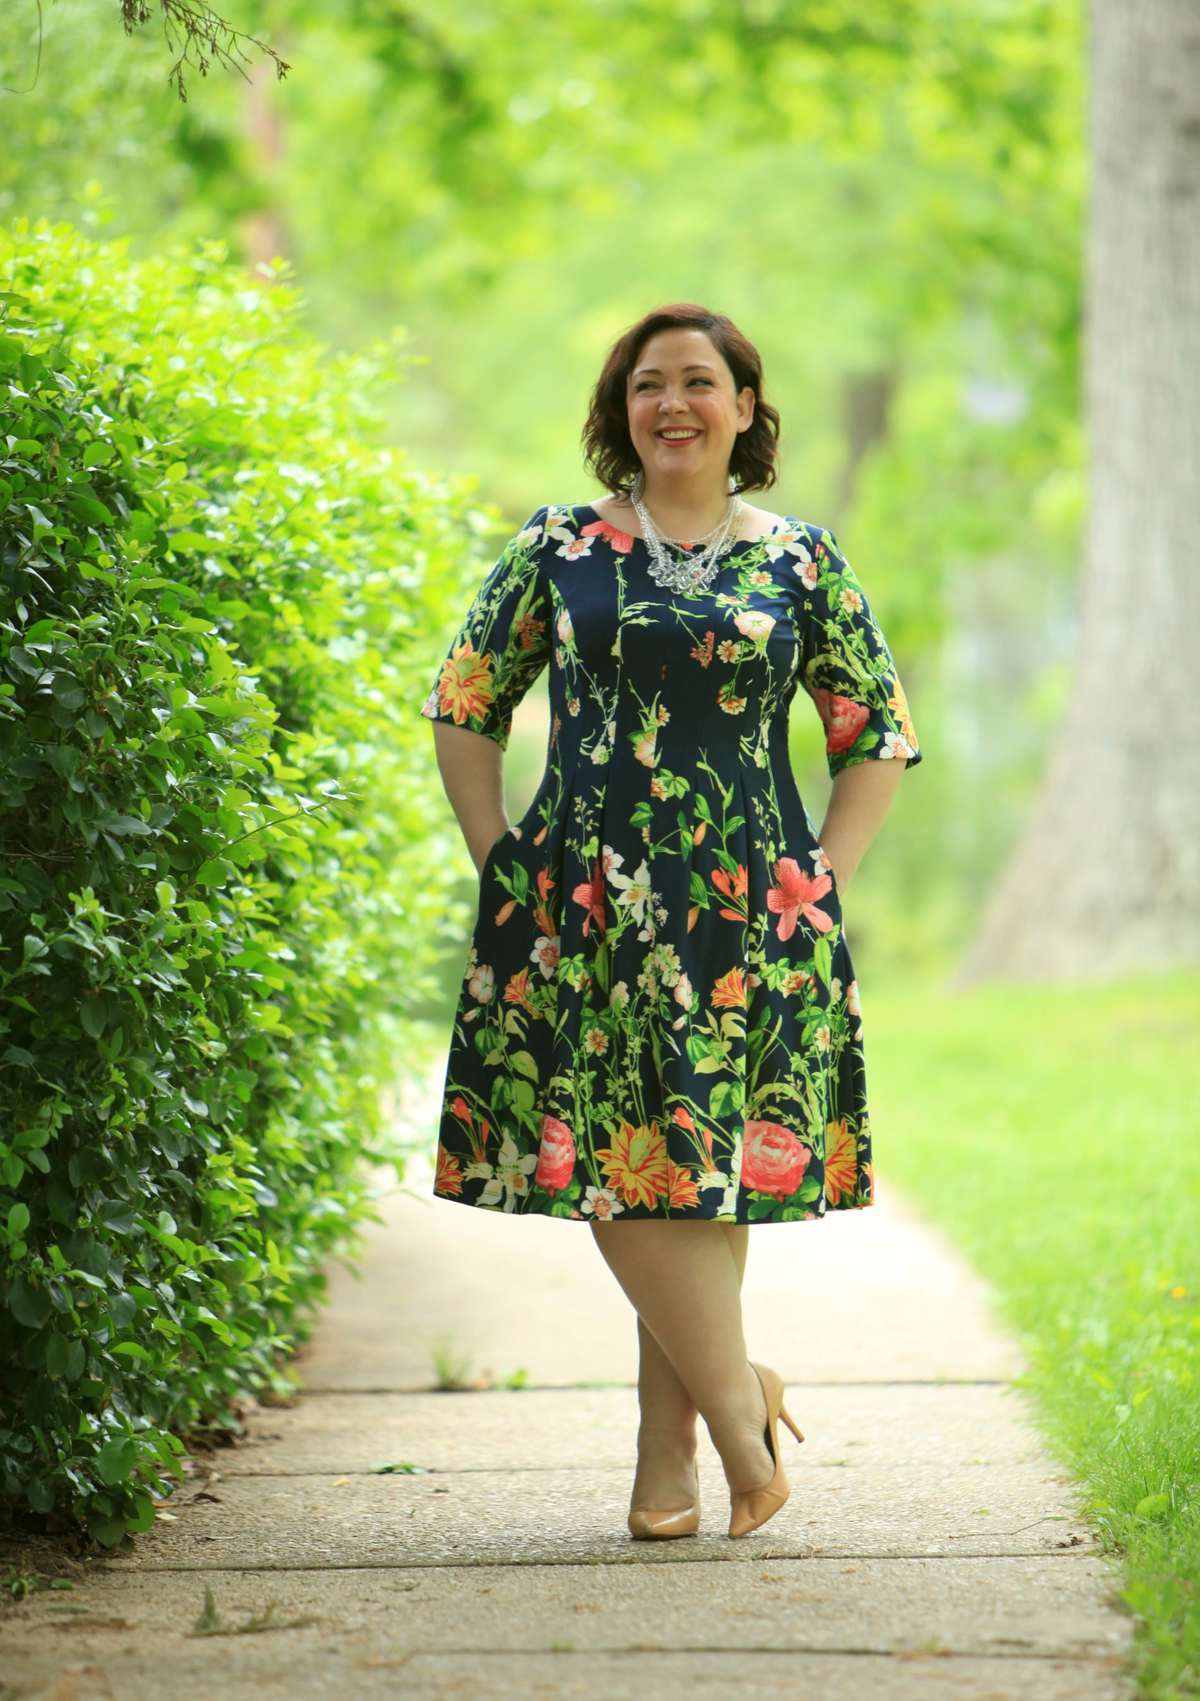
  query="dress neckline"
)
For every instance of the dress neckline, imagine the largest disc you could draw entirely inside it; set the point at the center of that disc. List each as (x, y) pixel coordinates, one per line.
(738, 543)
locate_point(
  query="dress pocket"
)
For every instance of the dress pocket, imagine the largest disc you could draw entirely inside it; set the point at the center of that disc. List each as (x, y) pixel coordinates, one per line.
(829, 869)
(489, 859)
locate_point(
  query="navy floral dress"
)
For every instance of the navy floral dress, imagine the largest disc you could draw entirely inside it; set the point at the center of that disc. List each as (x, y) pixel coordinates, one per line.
(659, 1015)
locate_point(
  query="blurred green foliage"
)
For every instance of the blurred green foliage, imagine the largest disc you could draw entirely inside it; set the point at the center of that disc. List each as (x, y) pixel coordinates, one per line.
(888, 200)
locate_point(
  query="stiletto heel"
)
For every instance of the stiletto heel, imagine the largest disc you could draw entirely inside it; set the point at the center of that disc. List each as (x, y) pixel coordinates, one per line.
(783, 1414)
(750, 1508)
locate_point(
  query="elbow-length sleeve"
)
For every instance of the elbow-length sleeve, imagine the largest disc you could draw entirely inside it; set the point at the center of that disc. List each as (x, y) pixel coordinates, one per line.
(846, 665)
(501, 646)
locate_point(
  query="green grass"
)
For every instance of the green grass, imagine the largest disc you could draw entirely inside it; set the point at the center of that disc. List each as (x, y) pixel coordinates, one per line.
(1051, 1134)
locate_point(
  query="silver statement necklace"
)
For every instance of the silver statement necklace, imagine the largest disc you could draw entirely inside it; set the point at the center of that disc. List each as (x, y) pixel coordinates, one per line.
(688, 571)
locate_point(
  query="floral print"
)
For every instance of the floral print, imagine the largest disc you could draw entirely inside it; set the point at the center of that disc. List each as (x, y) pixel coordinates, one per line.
(659, 1015)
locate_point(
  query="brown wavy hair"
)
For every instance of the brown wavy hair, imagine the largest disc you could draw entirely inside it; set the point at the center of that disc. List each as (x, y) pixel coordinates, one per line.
(609, 454)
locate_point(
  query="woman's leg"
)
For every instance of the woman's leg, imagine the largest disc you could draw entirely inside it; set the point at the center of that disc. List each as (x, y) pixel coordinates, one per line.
(666, 1445)
(666, 1441)
(684, 1281)
(737, 1236)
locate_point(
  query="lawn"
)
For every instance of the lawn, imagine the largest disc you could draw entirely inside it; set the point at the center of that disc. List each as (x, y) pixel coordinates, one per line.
(1051, 1134)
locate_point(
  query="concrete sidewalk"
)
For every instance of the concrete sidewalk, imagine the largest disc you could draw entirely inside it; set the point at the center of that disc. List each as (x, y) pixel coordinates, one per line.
(930, 1546)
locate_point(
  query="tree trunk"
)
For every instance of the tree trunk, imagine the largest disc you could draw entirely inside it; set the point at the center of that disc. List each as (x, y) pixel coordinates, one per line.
(1106, 876)
(264, 231)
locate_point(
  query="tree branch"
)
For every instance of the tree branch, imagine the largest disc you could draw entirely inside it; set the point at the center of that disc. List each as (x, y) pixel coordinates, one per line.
(206, 36)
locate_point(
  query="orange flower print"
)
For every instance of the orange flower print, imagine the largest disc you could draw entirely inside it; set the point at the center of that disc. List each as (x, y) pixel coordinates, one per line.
(541, 910)
(622, 542)
(733, 887)
(681, 1186)
(904, 742)
(703, 652)
(729, 993)
(841, 1160)
(465, 686)
(448, 1172)
(477, 1138)
(516, 991)
(728, 700)
(795, 893)
(636, 1163)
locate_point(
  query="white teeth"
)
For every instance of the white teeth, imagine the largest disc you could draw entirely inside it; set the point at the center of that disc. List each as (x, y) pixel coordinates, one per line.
(678, 436)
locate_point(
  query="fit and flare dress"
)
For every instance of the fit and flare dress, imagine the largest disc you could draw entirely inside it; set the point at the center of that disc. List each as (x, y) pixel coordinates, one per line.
(659, 1015)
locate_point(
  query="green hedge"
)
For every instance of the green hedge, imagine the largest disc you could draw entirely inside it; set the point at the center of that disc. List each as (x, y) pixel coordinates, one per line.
(221, 896)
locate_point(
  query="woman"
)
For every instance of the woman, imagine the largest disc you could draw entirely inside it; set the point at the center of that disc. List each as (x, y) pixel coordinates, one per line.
(658, 1030)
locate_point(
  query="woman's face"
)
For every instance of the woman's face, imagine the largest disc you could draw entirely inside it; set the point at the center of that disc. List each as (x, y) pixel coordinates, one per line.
(680, 380)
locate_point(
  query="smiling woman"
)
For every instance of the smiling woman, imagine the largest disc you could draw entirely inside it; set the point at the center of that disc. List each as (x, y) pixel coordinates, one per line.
(659, 1021)
(679, 405)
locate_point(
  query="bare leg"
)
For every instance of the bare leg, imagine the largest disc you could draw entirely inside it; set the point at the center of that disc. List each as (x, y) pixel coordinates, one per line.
(666, 1443)
(684, 1281)
(737, 1236)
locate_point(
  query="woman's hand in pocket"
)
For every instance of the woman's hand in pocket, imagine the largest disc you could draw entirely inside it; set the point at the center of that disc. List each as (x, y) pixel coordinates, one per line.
(480, 855)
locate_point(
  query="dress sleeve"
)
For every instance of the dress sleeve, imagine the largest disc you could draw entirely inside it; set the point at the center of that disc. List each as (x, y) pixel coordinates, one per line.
(502, 644)
(846, 665)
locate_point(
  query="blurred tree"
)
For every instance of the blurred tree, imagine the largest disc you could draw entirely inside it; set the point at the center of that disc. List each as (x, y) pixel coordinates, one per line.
(1106, 876)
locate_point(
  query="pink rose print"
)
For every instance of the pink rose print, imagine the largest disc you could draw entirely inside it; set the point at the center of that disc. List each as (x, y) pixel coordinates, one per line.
(556, 1155)
(842, 718)
(773, 1159)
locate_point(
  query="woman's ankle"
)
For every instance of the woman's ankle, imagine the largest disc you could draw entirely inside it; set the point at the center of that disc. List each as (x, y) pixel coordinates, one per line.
(738, 1406)
(668, 1433)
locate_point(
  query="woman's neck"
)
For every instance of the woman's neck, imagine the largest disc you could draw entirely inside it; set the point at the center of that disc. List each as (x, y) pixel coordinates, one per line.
(684, 514)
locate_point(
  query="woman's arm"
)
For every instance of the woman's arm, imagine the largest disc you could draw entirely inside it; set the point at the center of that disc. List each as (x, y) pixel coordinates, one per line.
(861, 797)
(471, 765)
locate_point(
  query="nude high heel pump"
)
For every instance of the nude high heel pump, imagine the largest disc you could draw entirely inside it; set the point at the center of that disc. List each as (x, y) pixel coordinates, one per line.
(647, 1522)
(749, 1508)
